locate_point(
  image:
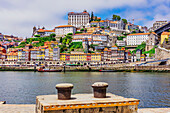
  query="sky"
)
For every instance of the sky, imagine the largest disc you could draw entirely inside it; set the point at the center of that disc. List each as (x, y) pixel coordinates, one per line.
(18, 17)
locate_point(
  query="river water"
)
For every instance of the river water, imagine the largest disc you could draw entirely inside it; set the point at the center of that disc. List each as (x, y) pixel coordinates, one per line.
(153, 89)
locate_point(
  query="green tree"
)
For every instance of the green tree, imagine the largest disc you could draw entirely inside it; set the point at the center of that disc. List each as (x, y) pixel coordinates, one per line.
(114, 17)
(82, 30)
(71, 49)
(95, 18)
(133, 32)
(118, 18)
(37, 35)
(124, 21)
(77, 32)
(102, 27)
(70, 34)
(92, 16)
(53, 39)
(52, 35)
(64, 41)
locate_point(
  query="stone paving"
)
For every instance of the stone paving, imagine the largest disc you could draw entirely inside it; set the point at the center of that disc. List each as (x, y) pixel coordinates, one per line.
(22, 108)
(154, 110)
(30, 108)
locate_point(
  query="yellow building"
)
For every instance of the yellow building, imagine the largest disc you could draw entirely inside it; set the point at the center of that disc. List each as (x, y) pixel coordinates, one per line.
(41, 54)
(12, 56)
(62, 56)
(164, 35)
(80, 57)
(95, 57)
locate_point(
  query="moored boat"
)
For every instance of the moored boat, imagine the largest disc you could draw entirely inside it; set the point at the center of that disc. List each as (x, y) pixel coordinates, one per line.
(107, 70)
(48, 70)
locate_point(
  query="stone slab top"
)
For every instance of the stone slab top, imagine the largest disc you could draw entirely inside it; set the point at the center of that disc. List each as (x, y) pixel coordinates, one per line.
(80, 99)
(100, 84)
(64, 85)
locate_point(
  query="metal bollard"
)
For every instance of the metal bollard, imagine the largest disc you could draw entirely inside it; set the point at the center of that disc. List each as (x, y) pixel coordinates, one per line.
(64, 91)
(99, 89)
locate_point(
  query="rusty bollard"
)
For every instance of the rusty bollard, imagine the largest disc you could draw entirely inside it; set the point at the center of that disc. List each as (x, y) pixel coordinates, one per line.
(99, 89)
(64, 91)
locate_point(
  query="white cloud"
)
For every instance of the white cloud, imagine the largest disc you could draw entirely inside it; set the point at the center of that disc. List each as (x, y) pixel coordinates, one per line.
(19, 16)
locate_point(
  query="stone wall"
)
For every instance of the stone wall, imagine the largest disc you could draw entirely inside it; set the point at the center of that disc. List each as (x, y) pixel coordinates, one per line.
(162, 53)
(116, 109)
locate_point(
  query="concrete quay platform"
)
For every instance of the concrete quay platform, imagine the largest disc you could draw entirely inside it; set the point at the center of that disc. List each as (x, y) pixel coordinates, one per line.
(30, 108)
(86, 103)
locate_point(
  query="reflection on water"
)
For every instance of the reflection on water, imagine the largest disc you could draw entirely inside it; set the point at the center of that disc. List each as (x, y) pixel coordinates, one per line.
(23, 87)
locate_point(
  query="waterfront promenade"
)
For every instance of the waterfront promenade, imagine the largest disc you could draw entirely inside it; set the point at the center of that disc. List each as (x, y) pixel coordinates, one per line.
(30, 108)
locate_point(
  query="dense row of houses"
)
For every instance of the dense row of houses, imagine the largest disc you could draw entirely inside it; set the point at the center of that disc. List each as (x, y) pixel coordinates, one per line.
(113, 54)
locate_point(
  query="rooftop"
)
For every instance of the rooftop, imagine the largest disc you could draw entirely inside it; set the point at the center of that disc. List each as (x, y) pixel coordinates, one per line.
(141, 34)
(166, 33)
(64, 26)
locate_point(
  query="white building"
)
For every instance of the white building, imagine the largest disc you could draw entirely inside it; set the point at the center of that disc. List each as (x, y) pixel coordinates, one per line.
(81, 37)
(78, 19)
(64, 30)
(158, 24)
(116, 25)
(113, 25)
(120, 42)
(137, 39)
(92, 38)
(56, 54)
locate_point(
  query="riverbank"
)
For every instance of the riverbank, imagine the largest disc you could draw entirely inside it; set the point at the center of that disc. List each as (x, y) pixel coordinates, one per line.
(30, 108)
(113, 68)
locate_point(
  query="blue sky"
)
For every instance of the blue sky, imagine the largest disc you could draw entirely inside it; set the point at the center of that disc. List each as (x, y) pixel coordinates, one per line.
(18, 17)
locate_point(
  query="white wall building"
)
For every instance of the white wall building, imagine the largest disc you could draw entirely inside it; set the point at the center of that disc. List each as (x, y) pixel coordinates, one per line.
(120, 42)
(64, 30)
(137, 39)
(92, 38)
(78, 19)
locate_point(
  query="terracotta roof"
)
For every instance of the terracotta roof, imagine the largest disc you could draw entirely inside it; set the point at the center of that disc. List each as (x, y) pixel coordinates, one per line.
(100, 34)
(1, 48)
(12, 54)
(102, 21)
(141, 34)
(166, 33)
(105, 49)
(84, 34)
(94, 22)
(114, 22)
(122, 48)
(64, 26)
(2, 53)
(42, 30)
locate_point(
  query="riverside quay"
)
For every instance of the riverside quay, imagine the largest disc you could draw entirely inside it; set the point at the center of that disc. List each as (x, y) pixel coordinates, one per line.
(52, 63)
(98, 102)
